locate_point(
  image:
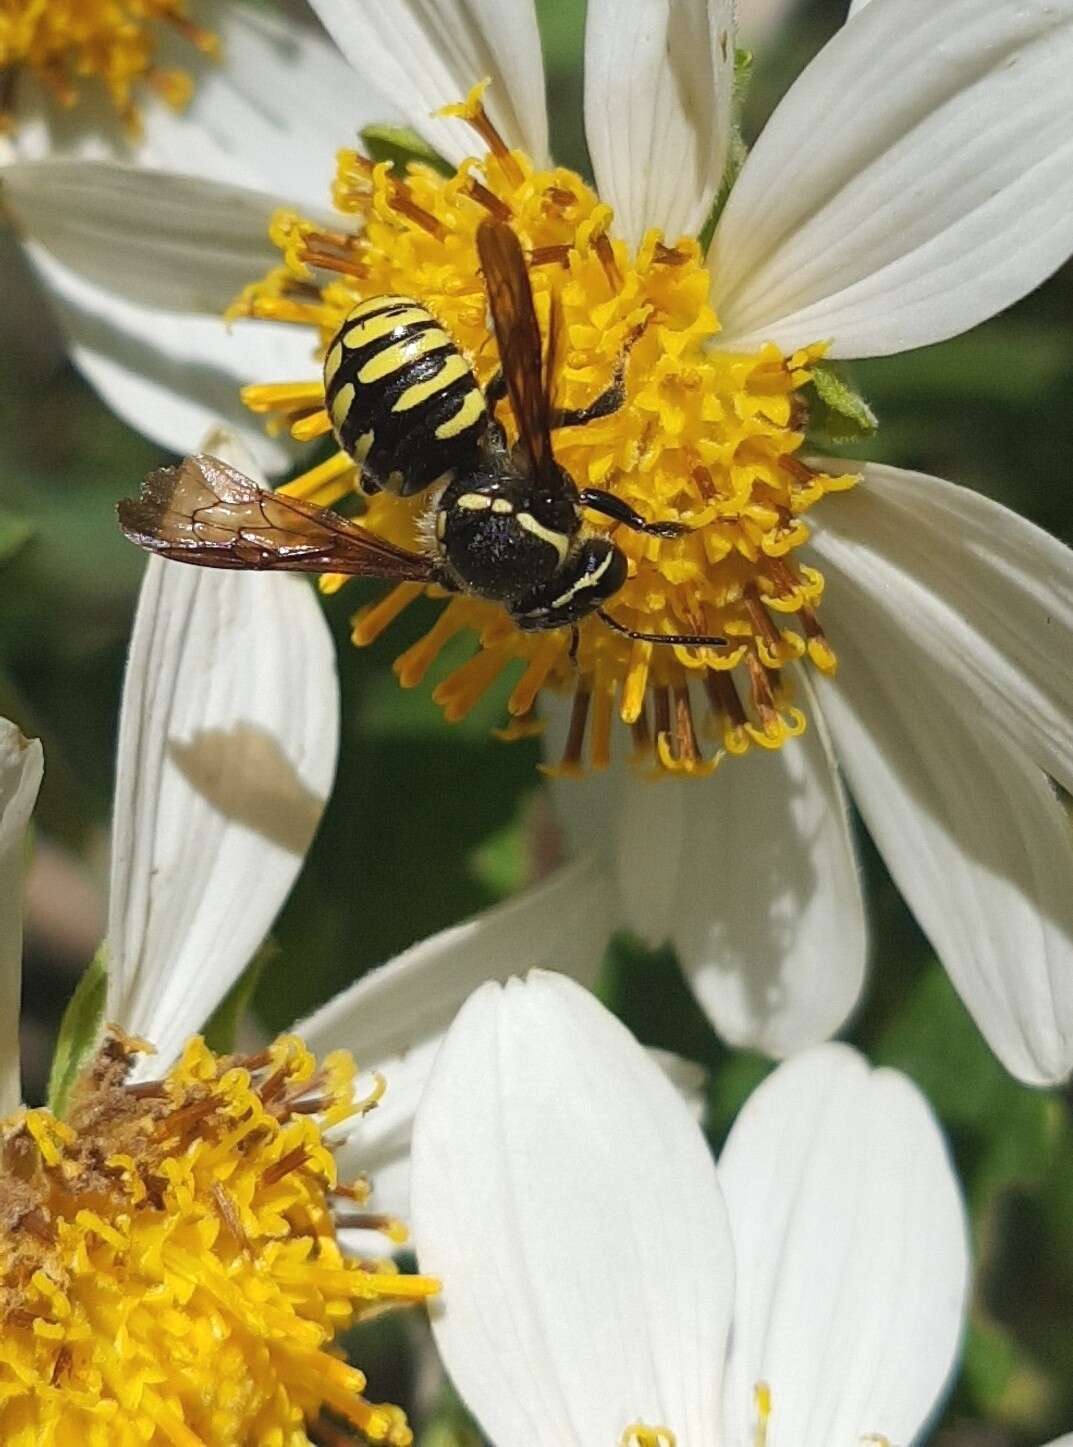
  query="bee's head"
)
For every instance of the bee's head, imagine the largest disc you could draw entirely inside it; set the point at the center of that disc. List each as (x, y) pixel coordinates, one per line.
(594, 572)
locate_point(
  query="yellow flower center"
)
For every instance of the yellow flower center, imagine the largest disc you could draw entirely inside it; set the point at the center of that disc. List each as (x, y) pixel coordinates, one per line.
(707, 438)
(63, 41)
(169, 1270)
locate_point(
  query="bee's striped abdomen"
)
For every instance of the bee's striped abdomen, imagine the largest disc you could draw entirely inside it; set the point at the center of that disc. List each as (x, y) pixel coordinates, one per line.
(403, 400)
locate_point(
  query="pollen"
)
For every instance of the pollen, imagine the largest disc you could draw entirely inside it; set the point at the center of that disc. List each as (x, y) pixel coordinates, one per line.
(169, 1266)
(112, 41)
(707, 439)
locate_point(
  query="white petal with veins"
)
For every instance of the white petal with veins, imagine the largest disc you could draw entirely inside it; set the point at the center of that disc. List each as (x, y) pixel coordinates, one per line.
(852, 1252)
(227, 746)
(543, 1116)
(659, 81)
(426, 54)
(917, 179)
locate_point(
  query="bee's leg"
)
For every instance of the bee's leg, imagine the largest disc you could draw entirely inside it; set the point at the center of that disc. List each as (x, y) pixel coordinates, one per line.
(575, 639)
(496, 390)
(605, 405)
(613, 507)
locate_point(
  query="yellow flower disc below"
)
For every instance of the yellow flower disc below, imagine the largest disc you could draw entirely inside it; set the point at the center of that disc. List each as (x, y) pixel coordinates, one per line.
(707, 438)
(64, 41)
(169, 1269)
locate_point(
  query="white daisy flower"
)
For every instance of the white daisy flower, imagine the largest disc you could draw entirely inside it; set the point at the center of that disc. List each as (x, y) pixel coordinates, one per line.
(811, 1290)
(912, 183)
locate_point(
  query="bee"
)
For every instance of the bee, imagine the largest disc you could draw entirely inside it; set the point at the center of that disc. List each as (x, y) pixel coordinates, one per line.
(504, 523)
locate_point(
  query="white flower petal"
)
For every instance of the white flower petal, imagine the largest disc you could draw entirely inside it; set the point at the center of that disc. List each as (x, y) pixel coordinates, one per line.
(269, 114)
(227, 745)
(543, 1115)
(751, 874)
(917, 179)
(994, 594)
(171, 376)
(659, 80)
(175, 242)
(21, 766)
(421, 55)
(768, 917)
(947, 778)
(855, 7)
(852, 1254)
(394, 1018)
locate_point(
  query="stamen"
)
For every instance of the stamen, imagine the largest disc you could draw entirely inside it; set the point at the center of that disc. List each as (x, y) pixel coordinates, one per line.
(569, 766)
(604, 250)
(473, 112)
(600, 750)
(549, 255)
(488, 199)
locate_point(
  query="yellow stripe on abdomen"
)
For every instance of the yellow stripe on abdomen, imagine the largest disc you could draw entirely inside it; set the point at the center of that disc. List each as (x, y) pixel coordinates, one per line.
(371, 329)
(401, 354)
(471, 410)
(453, 368)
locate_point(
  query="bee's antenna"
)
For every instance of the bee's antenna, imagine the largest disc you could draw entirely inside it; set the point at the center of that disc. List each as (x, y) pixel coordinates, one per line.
(681, 640)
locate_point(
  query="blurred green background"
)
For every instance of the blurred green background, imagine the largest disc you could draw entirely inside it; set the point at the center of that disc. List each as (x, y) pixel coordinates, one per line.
(451, 807)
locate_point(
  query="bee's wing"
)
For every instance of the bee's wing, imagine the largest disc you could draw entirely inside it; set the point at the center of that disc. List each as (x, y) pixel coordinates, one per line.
(205, 512)
(553, 352)
(510, 299)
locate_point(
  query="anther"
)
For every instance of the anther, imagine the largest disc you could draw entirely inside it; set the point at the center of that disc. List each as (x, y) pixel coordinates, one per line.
(606, 253)
(283, 1167)
(147, 1090)
(723, 697)
(685, 737)
(329, 261)
(488, 199)
(662, 702)
(549, 255)
(478, 118)
(796, 468)
(61, 1366)
(229, 1215)
(669, 255)
(761, 619)
(560, 197)
(575, 738)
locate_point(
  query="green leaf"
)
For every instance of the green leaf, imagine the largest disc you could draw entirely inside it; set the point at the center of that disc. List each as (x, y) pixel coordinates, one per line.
(78, 1032)
(222, 1024)
(400, 146)
(837, 411)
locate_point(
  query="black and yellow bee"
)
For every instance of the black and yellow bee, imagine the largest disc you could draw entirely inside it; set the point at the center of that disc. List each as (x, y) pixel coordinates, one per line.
(505, 523)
